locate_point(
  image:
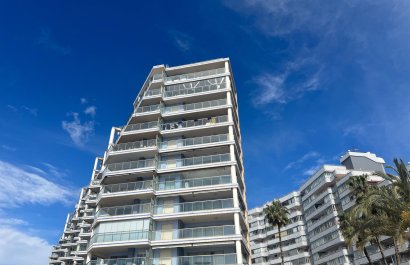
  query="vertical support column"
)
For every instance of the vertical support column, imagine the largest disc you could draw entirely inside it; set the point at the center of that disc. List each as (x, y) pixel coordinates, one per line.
(88, 259)
(238, 252)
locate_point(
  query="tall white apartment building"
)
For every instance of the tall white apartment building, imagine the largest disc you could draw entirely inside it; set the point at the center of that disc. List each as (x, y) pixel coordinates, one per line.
(321, 199)
(170, 188)
(265, 239)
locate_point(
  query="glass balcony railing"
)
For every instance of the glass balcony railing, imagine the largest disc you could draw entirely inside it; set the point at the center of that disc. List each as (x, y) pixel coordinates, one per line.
(182, 90)
(212, 231)
(141, 126)
(193, 206)
(145, 109)
(130, 186)
(119, 236)
(121, 261)
(189, 183)
(157, 77)
(193, 161)
(184, 77)
(194, 106)
(171, 144)
(124, 210)
(153, 92)
(130, 165)
(219, 259)
(133, 145)
(193, 123)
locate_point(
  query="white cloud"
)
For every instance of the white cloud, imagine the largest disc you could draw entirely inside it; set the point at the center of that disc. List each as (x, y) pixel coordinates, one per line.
(301, 160)
(8, 148)
(55, 171)
(181, 40)
(78, 131)
(17, 247)
(91, 110)
(13, 108)
(19, 187)
(11, 221)
(83, 100)
(32, 111)
(47, 41)
(279, 88)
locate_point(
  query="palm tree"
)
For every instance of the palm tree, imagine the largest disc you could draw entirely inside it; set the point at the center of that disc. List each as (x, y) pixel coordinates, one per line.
(277, 215)
(365, 217)
(395, 202)
(354, 232)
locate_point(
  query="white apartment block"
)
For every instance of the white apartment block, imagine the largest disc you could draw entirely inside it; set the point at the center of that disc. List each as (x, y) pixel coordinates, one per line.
(322, 197)
(170, 188)
(265, 239)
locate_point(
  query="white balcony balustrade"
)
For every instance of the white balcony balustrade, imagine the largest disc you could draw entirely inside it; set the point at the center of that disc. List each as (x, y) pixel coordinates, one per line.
(184, 77)
(124, 210)
(133, 145)
(193, 206)
(194, 123)
(179, 143)
(193, 161)
(194, 106)
(142, 126)
(139, 164)
(197, 232)
(129, 186)
(195, 87)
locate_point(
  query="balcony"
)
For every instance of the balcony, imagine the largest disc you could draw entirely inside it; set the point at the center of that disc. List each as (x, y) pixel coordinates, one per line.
(193, 206)
(219, 259)
(192, 88)
(197, 232)
(126, 187)
(153, 93)
(169, 126)
(193, 106)
(141, 126)
(121, 261)
(119, 236)
(148, 109)
(181, 143)
(185, 77)
(123, 210)
(191, 183)
(133, 145)
(130, 165)
(194, 161)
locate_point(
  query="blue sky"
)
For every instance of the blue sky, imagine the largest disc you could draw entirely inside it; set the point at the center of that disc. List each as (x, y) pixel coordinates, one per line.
(314, 79)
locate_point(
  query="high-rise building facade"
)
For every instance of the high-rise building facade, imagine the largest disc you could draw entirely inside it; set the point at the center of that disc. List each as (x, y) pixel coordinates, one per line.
(170, 188)
(319, 201)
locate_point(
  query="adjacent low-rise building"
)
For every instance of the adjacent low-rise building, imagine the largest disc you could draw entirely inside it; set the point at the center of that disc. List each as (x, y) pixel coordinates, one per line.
(319, 201)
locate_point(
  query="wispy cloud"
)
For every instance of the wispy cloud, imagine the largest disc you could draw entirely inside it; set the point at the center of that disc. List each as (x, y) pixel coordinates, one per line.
(21, 186)
(29, 110)
(55, 171)
(91, 110)
(83, 100)
(79, 131)
(181, 40)
(296, 164)
(8, 148)
(284, 86)
(4, 221)
(47, 40)
(33, 112)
